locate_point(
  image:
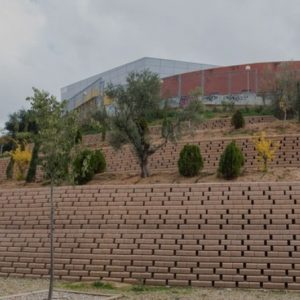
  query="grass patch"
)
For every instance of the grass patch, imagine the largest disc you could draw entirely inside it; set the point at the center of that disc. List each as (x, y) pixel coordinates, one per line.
(242, 131)
(102, 285)
(140, 288)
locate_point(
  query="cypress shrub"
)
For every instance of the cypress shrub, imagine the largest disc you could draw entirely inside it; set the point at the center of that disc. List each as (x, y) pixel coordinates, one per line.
(83, 167)
(190, 161)
(33, 163)
(10, 169)
(238, 120)
(99, 162)
(231, 161)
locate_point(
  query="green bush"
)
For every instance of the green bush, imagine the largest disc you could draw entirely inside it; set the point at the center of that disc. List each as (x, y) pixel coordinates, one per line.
(83, 167)
(190, 161)
(99, 162)
(86, 164)
(231, 161)
(238, 120)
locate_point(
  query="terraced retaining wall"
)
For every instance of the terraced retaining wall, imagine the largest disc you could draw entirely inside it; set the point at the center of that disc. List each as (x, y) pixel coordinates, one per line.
(95, 140)
(212, 235)
(165, 159)
(3, 166)
(224, 123)
(125, 160)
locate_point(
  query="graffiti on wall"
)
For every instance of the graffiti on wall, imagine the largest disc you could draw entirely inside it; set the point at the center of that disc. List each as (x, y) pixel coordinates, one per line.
(238, 99)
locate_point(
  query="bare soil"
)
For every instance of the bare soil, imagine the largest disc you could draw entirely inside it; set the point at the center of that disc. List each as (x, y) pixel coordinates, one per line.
(10, 286)
(273, 174)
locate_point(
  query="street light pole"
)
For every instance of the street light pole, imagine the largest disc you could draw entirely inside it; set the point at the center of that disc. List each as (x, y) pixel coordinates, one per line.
(248, 68)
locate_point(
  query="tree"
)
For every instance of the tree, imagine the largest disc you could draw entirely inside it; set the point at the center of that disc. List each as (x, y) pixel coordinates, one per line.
(298, 100)
(190, 161)
(100, 121)
(266, 150)
(20, 121)
(286, 90)
(134, 105)
(57, 136)
(21, 159)
(238, 120)
(267, 84)
(231, 161)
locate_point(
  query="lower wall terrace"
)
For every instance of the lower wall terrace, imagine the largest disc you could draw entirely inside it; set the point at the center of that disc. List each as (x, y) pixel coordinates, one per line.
(165, 159)
(212, 235)
(3, 166)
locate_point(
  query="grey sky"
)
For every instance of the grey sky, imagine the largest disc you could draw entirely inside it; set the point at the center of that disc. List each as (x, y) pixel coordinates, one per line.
(51, 43)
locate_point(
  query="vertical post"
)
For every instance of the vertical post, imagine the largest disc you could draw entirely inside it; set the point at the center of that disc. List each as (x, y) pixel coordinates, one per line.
(256, 81)
(229, 82)
(51, 270)
(248, 68)
(298, 99)
(179, 86)
(203, 82)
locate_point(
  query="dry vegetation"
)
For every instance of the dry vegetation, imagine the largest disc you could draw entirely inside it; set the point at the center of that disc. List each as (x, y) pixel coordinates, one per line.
(9, 286)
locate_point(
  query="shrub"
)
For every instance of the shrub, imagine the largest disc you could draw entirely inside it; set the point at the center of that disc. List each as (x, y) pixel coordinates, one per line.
(190, 161)
(22, 159)
(266, 149)
(33, 163)
(83, 167)
(10, 169)
(231, 161)
(99, 162)
(238, 120)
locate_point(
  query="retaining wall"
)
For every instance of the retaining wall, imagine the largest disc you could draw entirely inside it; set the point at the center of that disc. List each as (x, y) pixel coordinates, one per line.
(212, 235)
(95, 140)
(224, 123)
(3, 166)
(165, 159)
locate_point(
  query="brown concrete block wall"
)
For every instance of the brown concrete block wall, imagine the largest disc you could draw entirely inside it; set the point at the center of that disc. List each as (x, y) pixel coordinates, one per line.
(3, 165)
(221, 235)
(124, 160)
(94, 140)
(224, 123)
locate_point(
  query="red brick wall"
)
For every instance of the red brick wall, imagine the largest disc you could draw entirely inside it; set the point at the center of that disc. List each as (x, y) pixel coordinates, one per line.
(221, 235)
(218, 81)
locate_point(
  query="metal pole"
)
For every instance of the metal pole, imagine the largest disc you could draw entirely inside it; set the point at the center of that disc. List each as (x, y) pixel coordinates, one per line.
(203, 83)
(248, 80)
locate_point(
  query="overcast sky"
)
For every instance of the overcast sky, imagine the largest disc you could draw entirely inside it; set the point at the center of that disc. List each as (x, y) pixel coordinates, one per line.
(51, 43)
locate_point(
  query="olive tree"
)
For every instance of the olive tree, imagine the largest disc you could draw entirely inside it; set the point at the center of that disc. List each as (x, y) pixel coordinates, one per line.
(134, 105)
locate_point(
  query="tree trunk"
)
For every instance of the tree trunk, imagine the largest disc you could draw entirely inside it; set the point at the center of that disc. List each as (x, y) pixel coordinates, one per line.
(51, 270)
(265, 164)
(144, 168)
(103, 135)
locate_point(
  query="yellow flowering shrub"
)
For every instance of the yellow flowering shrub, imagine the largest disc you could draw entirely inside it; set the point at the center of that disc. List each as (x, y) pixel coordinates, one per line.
(265, 148)
(22, 159)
